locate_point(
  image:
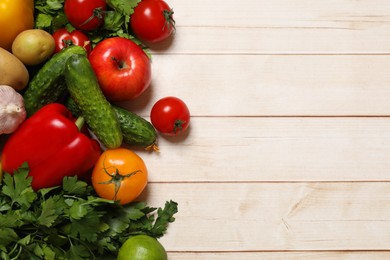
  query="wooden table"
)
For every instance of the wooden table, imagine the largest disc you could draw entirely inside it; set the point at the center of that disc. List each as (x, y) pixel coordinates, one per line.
(288, 154)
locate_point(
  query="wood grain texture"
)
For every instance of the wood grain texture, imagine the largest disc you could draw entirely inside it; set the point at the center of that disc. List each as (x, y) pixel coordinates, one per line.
(280, 255)
(282, 13)
(287, 155)
(370, 39)
(296, 27)
(288, 152)
(271, 85)
(233, 149)
(276, 216)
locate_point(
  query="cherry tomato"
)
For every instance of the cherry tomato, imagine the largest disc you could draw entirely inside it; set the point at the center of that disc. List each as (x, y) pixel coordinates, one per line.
(64, 38)
(85, 15)
(152, 21)
(170, 116)
(120, 175)
(15, 16)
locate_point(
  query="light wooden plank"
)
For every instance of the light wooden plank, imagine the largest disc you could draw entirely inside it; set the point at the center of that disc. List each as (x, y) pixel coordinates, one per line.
(351, 14)
(275, 216)
(275, 149)
(271, 85)
(280, 255)
(290, 40)
(280, 27)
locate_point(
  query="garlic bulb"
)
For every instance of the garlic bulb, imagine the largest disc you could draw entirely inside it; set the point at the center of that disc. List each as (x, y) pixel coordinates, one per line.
(12, 112)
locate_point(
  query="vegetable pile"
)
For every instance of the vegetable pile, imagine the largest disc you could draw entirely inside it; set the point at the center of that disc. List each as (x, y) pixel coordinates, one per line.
(111, 18)
(71, 174)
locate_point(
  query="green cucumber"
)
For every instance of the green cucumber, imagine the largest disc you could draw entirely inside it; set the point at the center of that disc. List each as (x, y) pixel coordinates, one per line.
(136, 130)
(98, 113)
(48, 85)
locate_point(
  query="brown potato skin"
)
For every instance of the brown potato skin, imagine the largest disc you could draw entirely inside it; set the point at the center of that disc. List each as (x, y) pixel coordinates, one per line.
(33, 46)
(12, 71)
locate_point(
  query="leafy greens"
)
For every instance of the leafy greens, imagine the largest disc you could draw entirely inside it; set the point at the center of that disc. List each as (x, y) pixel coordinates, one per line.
(50, 16)
(71, 221)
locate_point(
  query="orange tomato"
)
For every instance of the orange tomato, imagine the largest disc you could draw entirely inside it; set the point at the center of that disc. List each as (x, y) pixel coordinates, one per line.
(15, 17)
(120, 175)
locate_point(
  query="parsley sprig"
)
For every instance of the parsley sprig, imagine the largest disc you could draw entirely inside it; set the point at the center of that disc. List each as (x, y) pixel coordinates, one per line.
(49, 16)
(70, 221)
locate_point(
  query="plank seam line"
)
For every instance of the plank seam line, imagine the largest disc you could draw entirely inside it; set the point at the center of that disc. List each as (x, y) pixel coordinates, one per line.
(248, 26)
(268, 182)
(293, 116)
(167, 53)
(281, 251)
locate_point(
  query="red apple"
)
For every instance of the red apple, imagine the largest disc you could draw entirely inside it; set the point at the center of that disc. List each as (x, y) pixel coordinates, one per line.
(122, 68)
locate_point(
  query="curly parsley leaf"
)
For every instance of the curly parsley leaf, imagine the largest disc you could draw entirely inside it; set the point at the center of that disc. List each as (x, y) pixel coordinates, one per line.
(72, 185)
(18, 188)
(50, 16)
(70, 221)
(7, 236)
(125, 7)
(113, 21)
(50, 212)
(165, 216)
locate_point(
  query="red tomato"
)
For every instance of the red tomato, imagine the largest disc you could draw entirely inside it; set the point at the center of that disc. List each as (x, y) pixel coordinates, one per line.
(85, 15)
(152, 21)
(63, 39)
(170, 116)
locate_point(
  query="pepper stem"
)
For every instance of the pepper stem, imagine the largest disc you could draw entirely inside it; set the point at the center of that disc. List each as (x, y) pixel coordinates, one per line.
(80, 122)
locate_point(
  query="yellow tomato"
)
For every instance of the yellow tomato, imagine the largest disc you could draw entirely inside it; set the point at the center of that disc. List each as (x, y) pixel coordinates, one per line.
(119, 174)
(15, 17)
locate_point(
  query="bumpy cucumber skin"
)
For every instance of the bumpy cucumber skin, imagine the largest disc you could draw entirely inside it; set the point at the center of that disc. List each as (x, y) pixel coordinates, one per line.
(136, 130)
(84, 89)
(48, 84)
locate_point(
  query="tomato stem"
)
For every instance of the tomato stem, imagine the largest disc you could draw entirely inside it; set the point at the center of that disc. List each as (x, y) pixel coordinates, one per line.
(67, 43)
(169, 21)
(116, 178)
(98, 13)
(178, 126)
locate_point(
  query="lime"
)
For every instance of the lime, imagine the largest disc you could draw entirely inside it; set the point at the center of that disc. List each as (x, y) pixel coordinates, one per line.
(142, 247)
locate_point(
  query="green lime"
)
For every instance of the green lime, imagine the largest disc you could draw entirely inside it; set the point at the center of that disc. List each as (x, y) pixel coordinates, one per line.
(142, 247)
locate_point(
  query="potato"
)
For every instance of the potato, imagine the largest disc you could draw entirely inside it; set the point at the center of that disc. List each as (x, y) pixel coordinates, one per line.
(12, 71)
(33, 46)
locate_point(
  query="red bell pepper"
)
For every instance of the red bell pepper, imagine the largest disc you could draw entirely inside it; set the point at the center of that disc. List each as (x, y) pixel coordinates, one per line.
(52, 145)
